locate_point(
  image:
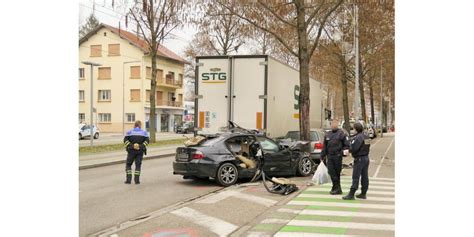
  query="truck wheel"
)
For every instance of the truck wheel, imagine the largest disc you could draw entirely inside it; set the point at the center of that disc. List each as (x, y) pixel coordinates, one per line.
(227, 174)
(305, 166)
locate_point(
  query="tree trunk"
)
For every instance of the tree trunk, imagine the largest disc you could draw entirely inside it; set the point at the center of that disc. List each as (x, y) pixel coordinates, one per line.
(361, 90)
(303, 58)
(371, 94)
(152, 120)
(345, 102)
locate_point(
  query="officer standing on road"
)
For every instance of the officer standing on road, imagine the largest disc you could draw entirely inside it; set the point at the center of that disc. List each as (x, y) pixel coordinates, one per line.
(360, 147)
(335, 142)
(136, 142)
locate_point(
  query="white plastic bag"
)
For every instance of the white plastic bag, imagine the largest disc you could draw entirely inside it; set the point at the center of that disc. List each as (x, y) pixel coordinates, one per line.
(321, 175)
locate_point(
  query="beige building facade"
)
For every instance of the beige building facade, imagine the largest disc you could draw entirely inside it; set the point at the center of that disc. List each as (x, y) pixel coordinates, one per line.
(121, 85)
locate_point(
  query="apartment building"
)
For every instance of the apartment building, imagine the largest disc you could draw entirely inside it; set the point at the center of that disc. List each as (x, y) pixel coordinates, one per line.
(121, 85)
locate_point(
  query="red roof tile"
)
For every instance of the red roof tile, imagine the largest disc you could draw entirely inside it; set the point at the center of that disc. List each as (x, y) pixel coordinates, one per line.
(141, 43)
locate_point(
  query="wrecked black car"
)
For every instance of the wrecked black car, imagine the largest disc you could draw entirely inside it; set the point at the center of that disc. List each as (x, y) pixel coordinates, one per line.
(230, 156)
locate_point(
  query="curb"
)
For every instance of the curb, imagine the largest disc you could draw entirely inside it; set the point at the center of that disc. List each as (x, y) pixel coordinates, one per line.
(83, 167)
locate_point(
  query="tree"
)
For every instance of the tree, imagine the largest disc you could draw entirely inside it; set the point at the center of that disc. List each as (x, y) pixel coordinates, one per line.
(91, 24)
(301, 20)
(155, 20)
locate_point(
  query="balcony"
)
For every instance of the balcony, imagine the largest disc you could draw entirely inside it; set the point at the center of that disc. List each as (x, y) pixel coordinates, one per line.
(170, 83)
(169, 103)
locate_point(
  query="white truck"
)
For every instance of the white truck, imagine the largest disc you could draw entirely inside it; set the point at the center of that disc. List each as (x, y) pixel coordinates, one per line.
(254, 91)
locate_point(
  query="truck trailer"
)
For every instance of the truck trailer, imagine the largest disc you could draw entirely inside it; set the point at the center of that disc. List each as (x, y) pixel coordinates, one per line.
(254, 91)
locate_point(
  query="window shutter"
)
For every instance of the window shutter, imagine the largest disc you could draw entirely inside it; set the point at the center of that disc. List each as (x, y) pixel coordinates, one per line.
(114, 49)
(135, 72)
(134, 95)
(104, 73)
(96, 50)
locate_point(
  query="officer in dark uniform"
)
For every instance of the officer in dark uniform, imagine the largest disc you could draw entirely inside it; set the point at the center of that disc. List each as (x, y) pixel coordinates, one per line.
(335, 142)
(136, 142)
(360, 147)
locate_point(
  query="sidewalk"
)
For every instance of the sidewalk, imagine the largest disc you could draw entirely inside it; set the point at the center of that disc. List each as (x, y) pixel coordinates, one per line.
(314, 212)
(117, 157)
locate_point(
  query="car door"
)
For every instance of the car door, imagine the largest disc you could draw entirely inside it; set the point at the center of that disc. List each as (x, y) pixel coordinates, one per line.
(277, 161)
(86, 131)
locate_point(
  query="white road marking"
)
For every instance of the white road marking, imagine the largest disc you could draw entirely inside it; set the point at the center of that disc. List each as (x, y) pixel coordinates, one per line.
(301, 234)
(349, 225)
(216, 197)
(368, 192)
(383, 157)
(370, 182)
(346, 186)
(218, 226)
(348, 214)
(343, 204)
(370, 178)
(287, 210)
(275, 221)
(114, 235)
(236, 194)
(382, 199)
(257, 234)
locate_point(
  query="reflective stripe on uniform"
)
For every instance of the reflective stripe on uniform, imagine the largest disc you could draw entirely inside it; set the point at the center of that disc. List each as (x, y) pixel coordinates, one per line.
(129, 171)
(137, 172)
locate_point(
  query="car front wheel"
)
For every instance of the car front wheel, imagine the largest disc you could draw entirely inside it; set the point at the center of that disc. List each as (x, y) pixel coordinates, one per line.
(80, 137)
(96, 136)
(227, 174)
(305, 167)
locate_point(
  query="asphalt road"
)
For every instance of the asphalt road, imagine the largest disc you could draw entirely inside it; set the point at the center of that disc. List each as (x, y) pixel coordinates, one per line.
(104, 200)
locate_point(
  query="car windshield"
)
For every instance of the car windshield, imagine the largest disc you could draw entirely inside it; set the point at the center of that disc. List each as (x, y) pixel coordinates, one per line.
(295, 135)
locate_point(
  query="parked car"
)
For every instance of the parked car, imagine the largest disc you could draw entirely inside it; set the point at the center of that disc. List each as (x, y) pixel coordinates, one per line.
(186, 127)
(85, 131)
(316, 136)
(229, 156)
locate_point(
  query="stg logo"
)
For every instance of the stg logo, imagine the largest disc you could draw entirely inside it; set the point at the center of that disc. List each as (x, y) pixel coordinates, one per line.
(214, 75)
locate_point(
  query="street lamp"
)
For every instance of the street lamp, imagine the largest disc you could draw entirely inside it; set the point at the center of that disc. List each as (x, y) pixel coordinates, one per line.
(92, 64)
(123, 93)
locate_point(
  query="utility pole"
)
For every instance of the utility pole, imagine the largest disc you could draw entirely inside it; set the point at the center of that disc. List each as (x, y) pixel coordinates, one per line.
(357, 105)
(381, 100)
(92, 97)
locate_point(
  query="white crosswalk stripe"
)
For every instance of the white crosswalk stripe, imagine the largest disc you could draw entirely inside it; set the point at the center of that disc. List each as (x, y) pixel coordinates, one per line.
(218, 226)
(348, 214)
(371, 178)
(236, 194)
(343, 204)
(329, 196)
(371, 182)
(368, 192)
(300, 234)
(351, 225)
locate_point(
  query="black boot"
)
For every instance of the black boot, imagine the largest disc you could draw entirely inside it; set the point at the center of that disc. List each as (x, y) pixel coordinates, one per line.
(137, 177)
(349, 196)
(333, 189)
(129, 179)
(337, 189)
(361, 196)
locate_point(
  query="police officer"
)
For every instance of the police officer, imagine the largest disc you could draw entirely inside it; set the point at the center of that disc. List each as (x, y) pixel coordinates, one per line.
(136, 142)
(360, 146)
(335, 142)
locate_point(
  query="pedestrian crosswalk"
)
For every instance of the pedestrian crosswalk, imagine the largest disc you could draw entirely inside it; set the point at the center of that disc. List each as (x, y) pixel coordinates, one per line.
(318, 214)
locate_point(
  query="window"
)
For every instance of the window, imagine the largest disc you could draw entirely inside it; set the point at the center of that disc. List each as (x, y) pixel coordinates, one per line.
(105, 95)
(268, 145)
(159, 74)
(170, 76)
(105, 117)
(81, 73)
(130, 117)
(96, 50)
(180, 97)
(82, 117)
(135, 95)
(81, 95)
(147, 95)
(148, 72)
(135, 72)
(104, 72)
(114, 49)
